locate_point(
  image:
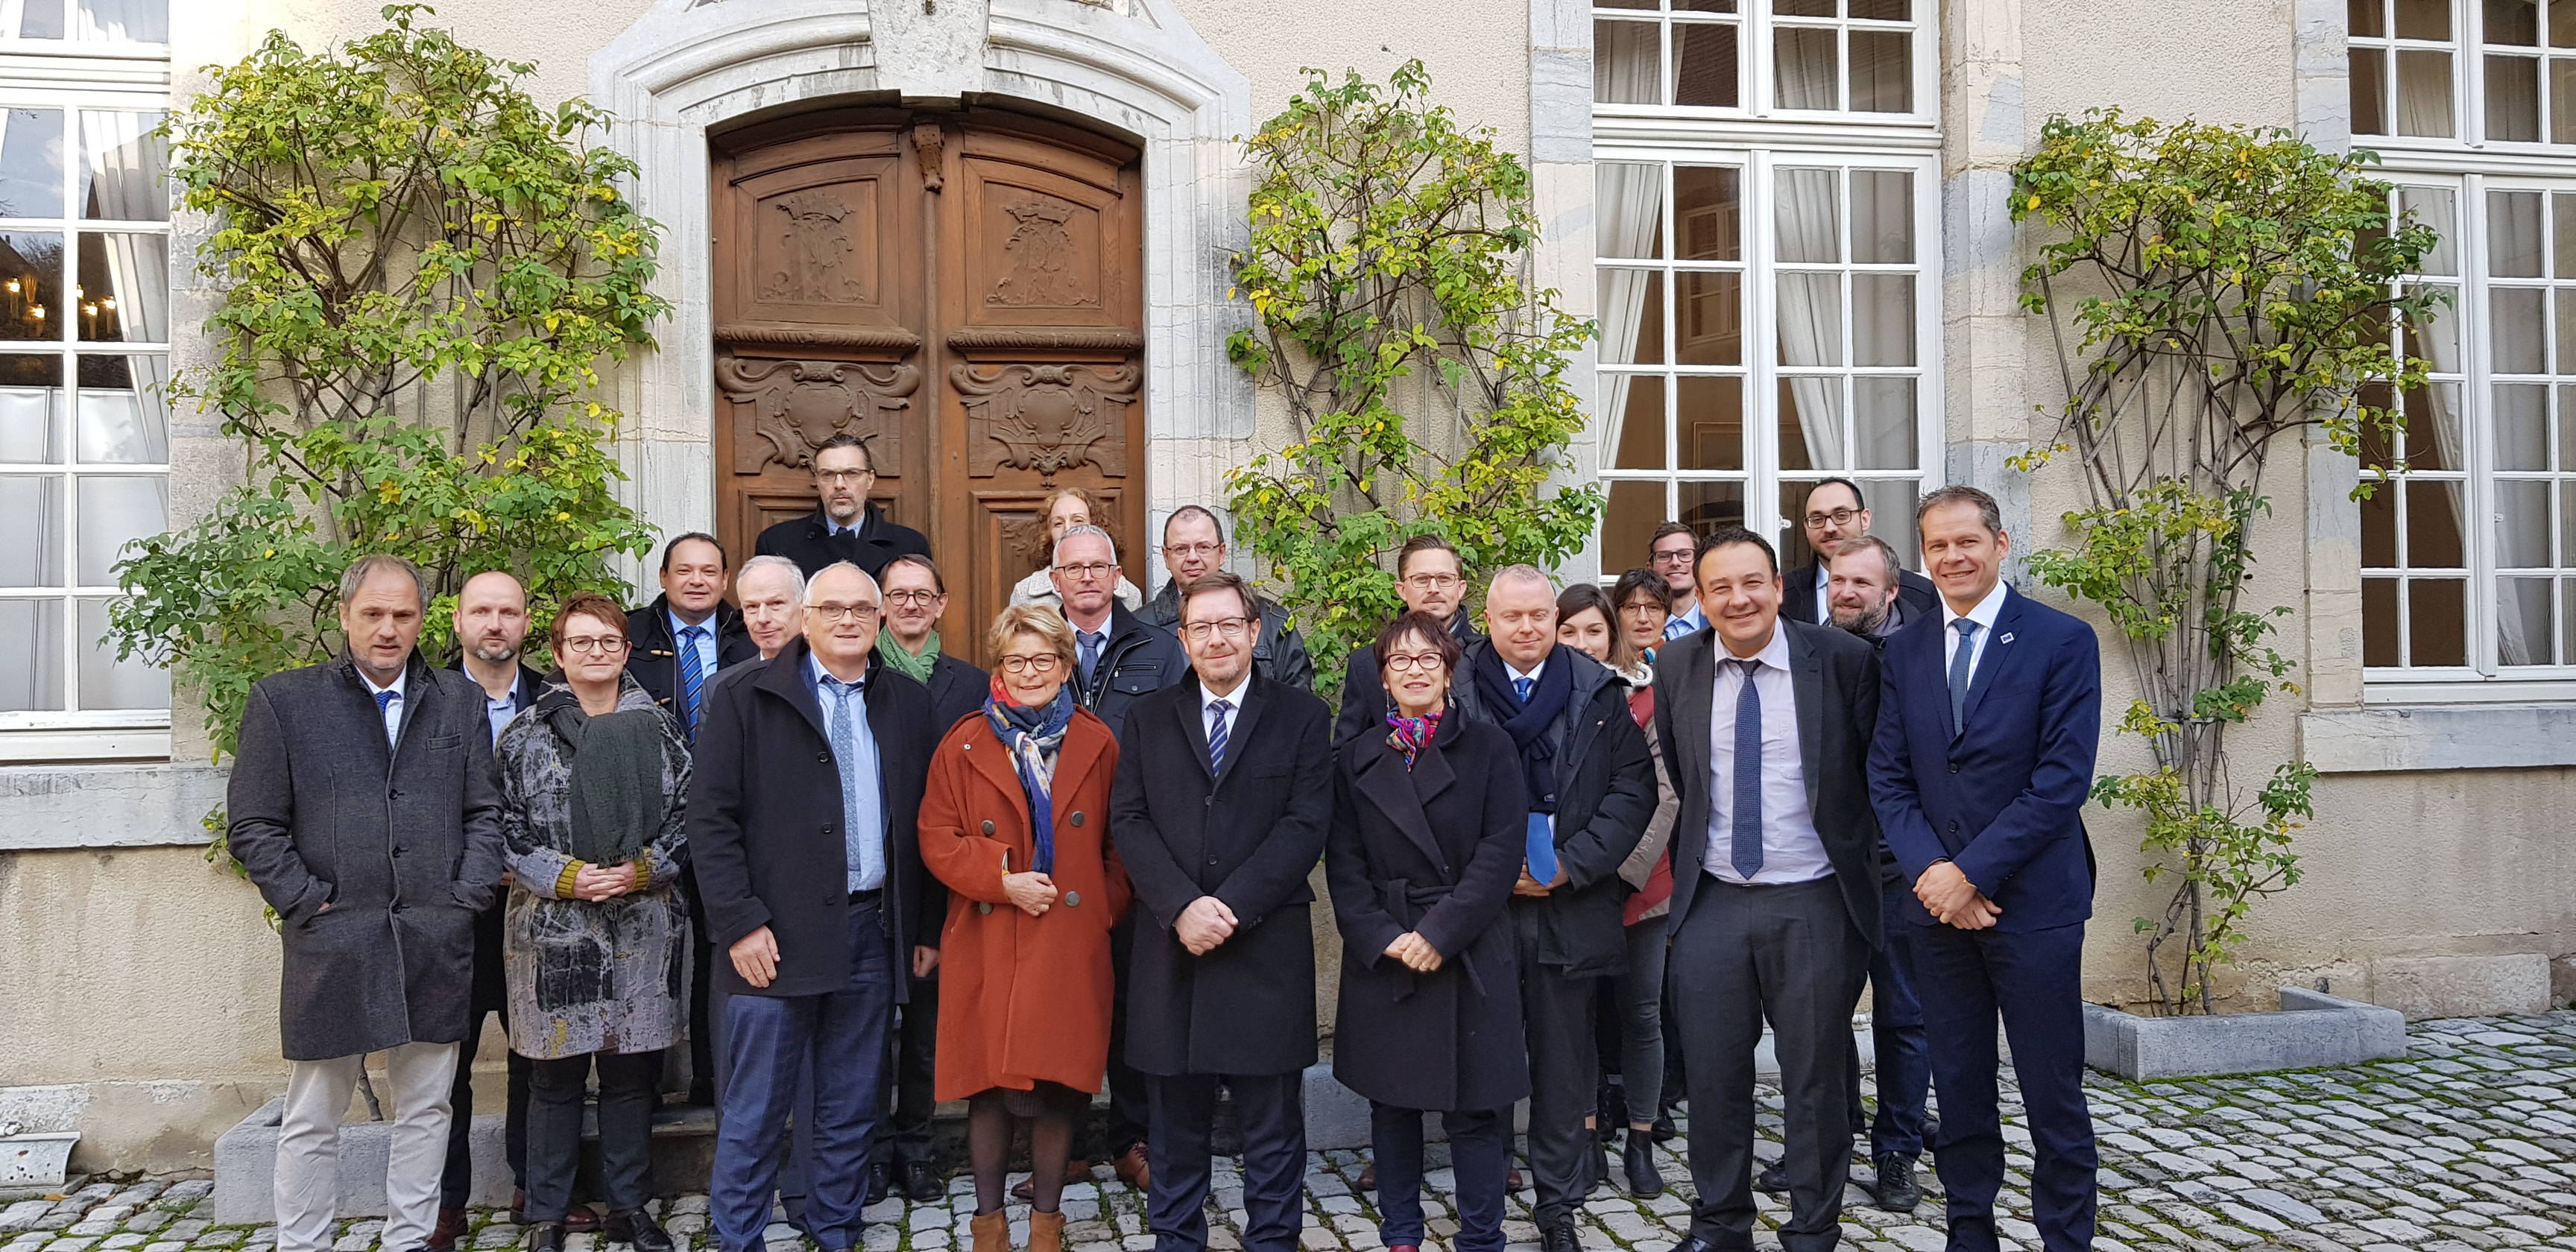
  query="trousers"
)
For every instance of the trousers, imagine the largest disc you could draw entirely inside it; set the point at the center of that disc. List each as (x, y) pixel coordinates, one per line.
(308, 1145)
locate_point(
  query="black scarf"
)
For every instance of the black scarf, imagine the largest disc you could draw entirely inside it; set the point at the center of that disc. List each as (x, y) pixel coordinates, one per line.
(1528, 723)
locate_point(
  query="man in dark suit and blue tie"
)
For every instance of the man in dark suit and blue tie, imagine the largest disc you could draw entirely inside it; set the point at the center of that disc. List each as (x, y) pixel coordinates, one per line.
(1988, 721)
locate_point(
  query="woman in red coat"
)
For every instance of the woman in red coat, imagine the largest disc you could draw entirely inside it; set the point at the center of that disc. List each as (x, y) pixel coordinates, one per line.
(1015, 821)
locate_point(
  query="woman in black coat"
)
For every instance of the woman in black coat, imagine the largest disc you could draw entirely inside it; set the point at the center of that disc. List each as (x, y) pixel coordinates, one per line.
(1429, 821)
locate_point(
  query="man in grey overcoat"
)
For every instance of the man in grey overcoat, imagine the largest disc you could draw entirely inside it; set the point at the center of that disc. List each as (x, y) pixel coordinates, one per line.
(365, 807)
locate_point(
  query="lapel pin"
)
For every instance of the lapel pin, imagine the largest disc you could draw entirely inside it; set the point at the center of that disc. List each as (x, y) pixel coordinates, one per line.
(2006, 639)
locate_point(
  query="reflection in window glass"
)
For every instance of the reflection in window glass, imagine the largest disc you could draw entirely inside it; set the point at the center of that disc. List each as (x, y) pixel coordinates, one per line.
(31, 409)
(31, 163)
(125, 167)
(31, 659)
(105, 681)
(33, 19)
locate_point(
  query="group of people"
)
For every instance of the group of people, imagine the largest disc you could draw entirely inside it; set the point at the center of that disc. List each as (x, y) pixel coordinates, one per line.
(1611, 829)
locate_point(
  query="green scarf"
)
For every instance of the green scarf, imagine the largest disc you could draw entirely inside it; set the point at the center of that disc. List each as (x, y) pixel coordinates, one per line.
(916, 668)
(616, 790)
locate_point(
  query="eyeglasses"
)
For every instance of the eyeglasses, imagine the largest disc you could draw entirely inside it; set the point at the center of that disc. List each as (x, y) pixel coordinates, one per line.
(1192, 549)
(1645, 608)
(1042, 663)
(832, 613)
(1673, 556)
(843, 476)
(1433, 582)
(1839, 517)
(1086, 570)
(585, 645)
(1229, 627)
(1407, 662)
(923, 598)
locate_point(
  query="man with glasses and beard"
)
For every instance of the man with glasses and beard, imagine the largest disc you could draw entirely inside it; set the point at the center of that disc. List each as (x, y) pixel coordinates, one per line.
(1669, 554)
(1835, 519)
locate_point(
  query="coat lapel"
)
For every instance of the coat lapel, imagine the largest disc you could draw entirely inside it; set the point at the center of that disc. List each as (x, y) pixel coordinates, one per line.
(1807, 683)
(1238, 731)
(1193, 724)
(785, 678)
(1083, 745)
(1400, 794)
(1999, 653)
(1696, 688)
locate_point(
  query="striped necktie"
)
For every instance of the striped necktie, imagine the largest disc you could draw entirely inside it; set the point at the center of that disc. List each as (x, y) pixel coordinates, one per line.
(693, 679)
(1216, 735)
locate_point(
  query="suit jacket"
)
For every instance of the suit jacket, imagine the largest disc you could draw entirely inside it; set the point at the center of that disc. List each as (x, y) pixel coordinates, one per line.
(1798, 594)
(957, 689)
(1364, 697)
(1834, 676)
(809, 542)
(1434, 849)
(1605, 795)
(1278, 652)
(2003, 799)
(1249, 836)
(491, 993)
(403, 841)
(1135, 660)
(765, 822)
(653, 652)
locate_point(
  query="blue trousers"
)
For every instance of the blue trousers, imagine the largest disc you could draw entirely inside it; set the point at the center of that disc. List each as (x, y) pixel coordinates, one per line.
(1480, 1157)
(1272, 1108)
(768, 1041)
(2033, 978)
(1896, 1035)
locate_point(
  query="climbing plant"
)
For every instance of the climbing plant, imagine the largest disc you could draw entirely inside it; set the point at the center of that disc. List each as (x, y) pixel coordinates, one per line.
(1424, 376)
(422, 271)
(2212, 291)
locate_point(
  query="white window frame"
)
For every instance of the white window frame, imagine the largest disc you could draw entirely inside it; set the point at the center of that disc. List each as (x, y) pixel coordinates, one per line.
(1755, 79)
(71, 75)
(2467, 50)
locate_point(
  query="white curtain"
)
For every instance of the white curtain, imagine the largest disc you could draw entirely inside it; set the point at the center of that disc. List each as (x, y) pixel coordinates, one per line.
(123, 21)
(16, 22)
(1627, 208)
(127, 175)
(1809, 319)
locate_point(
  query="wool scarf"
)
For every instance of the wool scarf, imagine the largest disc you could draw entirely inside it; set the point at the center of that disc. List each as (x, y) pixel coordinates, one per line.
(1033, 737)
(1529, 723)
(902, 661)
(615, 798)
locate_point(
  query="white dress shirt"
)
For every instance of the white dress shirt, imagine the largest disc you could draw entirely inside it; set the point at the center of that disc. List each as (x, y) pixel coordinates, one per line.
(1792, 851)
(1208, 696)
(1531, 674)
(1983, 614)
(393, 707)
(705, 643)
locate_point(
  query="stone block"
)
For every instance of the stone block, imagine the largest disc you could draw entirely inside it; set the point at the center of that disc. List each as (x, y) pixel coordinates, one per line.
(2562, 981)
(2461, 986)
(2312, 1029)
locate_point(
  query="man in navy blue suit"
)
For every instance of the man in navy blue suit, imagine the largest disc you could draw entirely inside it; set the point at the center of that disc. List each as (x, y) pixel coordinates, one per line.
(1988, 719)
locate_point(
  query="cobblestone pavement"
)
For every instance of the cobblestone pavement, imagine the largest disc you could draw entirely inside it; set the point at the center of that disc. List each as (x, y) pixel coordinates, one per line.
(2470, 1142)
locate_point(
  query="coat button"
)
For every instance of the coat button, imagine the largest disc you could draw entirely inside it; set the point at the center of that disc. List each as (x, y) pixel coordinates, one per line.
(1954, 767)
(988, 828)
(983, 906)
(1077, 817)
(1073, 899)
(822, 758)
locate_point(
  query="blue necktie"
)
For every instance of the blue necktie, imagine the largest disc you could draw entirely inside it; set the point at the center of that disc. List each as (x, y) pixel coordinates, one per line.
(693, 679)
(1962, 663)
(1090, 648)
(845, 753)
(1523, 687)
(1216, 736)
(385, 700)
(1746, 849)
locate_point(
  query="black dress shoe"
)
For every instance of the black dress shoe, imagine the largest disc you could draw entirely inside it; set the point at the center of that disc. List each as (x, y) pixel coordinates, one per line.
(1664, 1131)
(922, 1182)
(637, 1227)
(1639, 1160)
(1558, 1236)
(1693, 1243)
(1774, 1178)
(546, 1237)
(880, 1181)
(1896, 1190)
(1931, 1132)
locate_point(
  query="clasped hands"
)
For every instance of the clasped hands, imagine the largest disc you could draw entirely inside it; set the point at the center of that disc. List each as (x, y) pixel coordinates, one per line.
(1206, 923)
(1529, 886)
(1415, 951)
(1947, 894)
(1030, 892)
(603, 882)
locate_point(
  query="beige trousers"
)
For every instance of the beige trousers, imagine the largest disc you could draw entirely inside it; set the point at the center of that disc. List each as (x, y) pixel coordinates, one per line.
(308, 1145)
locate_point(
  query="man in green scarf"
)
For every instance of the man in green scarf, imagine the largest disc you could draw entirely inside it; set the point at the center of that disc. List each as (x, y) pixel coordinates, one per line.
(915, 597)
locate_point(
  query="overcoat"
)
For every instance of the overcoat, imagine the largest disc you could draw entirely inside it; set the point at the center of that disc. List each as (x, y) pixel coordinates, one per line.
(402, 841)
(1249, 835)
(809, 542)
(957, 689)
(765, 821)
(1435, 849)
(1364, 690)
(589, 976)
(1022, 999)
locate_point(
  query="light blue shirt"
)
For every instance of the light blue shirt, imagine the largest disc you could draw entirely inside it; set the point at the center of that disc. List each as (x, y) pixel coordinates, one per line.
(1681, 624)
(393, 707)
(499, 712)
(705, 644)
(1792, 851)
(863, 819)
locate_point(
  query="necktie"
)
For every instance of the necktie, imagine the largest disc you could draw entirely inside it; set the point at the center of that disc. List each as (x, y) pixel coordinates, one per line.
(1090, 647)
(1216, 735)
(1962, 663)
(693, 679)
(384, 701)
(1523, 686)
(845, 753)
(1746, 849)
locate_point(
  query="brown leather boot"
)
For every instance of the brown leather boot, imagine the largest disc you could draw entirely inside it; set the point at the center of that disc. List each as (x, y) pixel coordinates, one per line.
(992, 1231)
(1046, 1232)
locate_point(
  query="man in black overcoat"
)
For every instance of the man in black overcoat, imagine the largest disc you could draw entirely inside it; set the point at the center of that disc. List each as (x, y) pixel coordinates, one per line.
(365, 808)
(1591, 787)
(1224, 789)
(1765, 726)
(802, 817)
(845, 525)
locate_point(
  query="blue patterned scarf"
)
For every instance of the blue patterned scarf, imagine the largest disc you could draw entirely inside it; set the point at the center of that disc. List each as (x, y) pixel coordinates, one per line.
(1033, 738)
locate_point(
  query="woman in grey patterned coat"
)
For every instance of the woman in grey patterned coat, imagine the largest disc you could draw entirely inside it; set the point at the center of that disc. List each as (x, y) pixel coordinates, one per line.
(593, 780)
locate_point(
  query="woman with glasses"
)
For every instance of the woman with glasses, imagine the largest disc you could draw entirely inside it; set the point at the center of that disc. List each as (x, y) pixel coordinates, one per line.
(1063, 509)
(1430, 816)
(1583, 622)
(1645, 604)
(593, 778)
(1015, 821)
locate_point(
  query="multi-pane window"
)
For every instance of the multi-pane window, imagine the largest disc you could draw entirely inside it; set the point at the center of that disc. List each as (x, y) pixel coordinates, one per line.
(1810, 56)
(2496, 71)
(1766, 291)
(84, 356)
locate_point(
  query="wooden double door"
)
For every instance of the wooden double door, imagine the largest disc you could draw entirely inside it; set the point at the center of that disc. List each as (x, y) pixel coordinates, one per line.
(959, 289)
